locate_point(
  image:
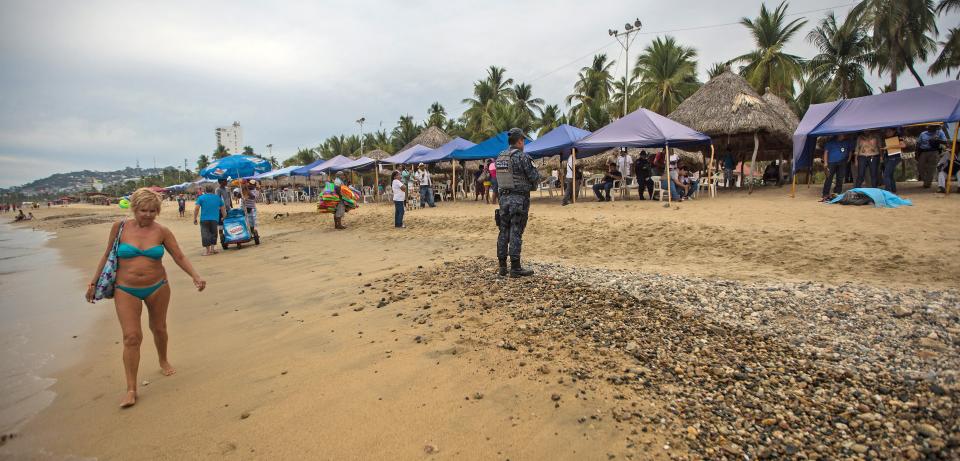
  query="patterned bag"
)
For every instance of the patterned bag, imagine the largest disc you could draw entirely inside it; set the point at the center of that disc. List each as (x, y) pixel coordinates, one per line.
(108, 276)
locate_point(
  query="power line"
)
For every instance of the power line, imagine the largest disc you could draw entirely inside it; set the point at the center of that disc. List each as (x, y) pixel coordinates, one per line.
(682, 29)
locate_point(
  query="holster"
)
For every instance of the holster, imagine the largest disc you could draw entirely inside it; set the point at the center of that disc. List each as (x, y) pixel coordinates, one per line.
(496, 216)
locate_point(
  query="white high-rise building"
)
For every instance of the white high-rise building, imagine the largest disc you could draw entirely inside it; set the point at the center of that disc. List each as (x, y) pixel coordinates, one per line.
(231, 137)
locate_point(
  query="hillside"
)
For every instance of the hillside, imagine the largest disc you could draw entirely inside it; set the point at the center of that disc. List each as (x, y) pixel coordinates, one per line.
(82, 180)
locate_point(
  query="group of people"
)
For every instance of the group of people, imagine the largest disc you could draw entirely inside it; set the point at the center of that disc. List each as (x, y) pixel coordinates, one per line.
(682, 182)
(874, 151)
(212, 206)
(400, 185)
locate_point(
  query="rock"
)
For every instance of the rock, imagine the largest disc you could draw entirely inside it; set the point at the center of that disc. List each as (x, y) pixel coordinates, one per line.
(927, 430)
(477, 396)
(555, 397)
(859, 448)
(901, 312)
(245, 415)
(431, 449)
(692, 432)
(145, 383)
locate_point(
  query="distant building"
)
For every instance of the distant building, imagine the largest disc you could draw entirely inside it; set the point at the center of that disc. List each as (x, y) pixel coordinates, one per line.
(231, 137)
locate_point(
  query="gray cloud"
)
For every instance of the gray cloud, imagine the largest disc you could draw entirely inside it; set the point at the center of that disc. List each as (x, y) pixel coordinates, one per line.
(100, 84)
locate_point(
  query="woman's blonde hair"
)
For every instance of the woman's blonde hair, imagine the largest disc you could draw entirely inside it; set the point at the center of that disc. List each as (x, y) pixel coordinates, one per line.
(144, 197)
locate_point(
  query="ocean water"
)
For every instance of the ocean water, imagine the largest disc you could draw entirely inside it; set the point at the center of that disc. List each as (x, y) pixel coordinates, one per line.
(43, 320)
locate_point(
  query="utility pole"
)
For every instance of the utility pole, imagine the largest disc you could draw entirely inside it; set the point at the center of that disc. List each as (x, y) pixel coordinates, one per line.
(625, 40)
(362, 119)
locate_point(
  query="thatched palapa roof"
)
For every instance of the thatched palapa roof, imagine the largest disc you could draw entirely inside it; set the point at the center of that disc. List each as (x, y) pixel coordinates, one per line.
(377, 154)
(431, 137)
(728, 110)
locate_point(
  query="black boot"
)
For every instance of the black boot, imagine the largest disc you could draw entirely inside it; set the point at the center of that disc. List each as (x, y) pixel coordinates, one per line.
(516, 270)
(503, 267)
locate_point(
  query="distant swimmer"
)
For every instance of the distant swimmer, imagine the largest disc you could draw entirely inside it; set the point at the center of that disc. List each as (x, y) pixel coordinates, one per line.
(133, 256)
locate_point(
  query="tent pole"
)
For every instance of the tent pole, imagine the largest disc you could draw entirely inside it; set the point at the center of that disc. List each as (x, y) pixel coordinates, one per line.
(666, 171)
(573, 158)
(710, 172)
(793, 188)
(563, 173)
(953, 156)
(753, 160)
(376, 181)
(453, 182)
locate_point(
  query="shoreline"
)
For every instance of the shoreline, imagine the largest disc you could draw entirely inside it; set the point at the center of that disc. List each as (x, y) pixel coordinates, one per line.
(366, 343)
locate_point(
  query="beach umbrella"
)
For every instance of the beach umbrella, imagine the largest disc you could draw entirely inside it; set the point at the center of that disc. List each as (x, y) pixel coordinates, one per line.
(236, 166)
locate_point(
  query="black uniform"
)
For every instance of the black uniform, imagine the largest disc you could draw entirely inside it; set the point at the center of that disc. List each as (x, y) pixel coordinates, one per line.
(516, 177)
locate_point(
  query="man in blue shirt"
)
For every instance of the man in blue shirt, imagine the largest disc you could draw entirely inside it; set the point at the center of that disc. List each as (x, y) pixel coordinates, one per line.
(729, 162)
(836, 154)
(210, 208)
(928, 153)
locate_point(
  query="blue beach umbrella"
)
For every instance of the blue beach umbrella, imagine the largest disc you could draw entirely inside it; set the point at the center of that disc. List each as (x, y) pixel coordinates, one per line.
(235, 167)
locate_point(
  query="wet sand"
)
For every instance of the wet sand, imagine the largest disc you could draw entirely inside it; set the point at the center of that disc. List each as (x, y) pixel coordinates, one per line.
(288, 356)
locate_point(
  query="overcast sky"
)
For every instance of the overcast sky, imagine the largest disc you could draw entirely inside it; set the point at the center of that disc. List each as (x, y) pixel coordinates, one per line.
(100, 84)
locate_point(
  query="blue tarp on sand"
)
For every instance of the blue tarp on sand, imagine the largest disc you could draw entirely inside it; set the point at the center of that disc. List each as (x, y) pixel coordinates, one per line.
(640, 128)
(559, 141)
(931, 103)
(880, 197)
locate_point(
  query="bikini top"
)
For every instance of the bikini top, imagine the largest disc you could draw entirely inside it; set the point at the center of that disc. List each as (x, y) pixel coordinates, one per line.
(127, 251)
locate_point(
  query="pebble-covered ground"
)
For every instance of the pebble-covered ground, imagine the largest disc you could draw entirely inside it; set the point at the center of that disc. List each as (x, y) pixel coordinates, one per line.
(736, 370)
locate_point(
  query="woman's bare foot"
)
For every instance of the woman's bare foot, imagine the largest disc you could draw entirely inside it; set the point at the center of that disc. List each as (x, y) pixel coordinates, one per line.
(129, 399)
(168, 369)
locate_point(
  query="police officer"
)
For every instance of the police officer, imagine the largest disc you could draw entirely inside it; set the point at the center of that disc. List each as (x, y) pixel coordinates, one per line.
(516, 177)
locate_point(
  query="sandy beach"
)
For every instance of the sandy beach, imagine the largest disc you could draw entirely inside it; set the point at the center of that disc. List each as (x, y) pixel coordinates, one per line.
(714, 329)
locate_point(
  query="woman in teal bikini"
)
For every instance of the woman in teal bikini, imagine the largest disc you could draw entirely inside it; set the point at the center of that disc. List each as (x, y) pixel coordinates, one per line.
(141, 279)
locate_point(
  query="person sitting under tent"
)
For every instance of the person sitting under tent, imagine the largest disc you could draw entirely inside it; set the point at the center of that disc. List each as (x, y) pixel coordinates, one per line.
(606, 183)
(771, 173)
(689, 182)
(928, 153)
(943, 167)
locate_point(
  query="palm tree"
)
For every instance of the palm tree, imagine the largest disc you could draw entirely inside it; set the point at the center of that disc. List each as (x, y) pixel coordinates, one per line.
(220, 152)
(274, 163)
(595, 116)
(946, 5)
(899, 31)
(436, 115)
(844, 52)
(811, 92)
(378, 140)
(247, 150)
(302, 157)
(768, 66)
(404, 132)
(528, 106)
(495, 88)
(949, 58)
(717, 68)
(593, 87)
(616, 99)
(202, 162)
(549, 119)
(505, 116)
(667, 74)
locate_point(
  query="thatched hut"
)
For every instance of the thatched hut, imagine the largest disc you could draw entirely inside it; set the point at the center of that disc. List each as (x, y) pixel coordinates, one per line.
(737, 117)
(431, 137)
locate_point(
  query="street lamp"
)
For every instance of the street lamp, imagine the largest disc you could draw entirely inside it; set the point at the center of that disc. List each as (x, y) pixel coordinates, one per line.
(362, 119)
(625, 40)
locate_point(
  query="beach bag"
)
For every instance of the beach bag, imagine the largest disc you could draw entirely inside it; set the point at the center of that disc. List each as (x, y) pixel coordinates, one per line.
(108, 276)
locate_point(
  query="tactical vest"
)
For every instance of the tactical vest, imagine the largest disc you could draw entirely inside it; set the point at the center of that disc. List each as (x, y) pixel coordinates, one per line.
(510, 174)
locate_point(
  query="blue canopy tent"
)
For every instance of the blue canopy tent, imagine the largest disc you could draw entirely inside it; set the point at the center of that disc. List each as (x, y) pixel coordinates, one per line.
(330, 164)
(559, 141)
(305, 170)
(404, 155)
(442, 153)
(358, 164)
(931, 103)
(641, 128)
(286, 171)
(489, 148)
